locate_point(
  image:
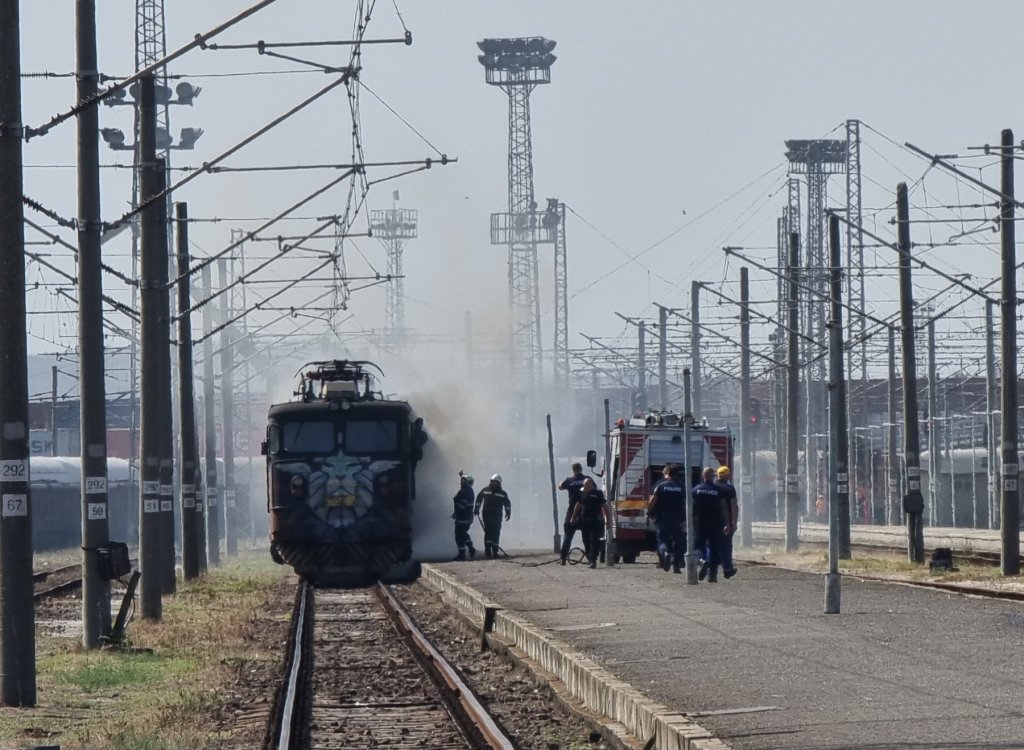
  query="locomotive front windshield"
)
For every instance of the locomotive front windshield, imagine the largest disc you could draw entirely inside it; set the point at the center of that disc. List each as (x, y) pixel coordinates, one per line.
(325, 437)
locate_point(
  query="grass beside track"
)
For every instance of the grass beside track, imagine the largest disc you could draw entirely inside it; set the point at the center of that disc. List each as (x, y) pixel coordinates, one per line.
(187, 689)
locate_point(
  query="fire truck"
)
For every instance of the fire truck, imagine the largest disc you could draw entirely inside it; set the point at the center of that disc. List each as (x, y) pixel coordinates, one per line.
(640, 448)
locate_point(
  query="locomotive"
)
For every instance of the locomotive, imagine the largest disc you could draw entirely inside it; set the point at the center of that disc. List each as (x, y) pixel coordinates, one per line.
(341, 466)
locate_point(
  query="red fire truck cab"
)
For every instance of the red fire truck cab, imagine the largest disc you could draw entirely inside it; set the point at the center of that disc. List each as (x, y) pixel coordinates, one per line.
(640, 448)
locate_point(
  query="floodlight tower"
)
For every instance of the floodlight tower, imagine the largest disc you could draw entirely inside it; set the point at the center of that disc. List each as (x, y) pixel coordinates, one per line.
(817, 159)
(393, 226)
(517, 66)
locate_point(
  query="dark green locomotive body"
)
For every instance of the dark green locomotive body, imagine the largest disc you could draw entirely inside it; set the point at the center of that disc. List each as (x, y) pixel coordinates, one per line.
(341, 467)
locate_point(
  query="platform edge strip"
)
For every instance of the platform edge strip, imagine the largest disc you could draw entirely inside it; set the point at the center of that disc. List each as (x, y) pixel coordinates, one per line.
(591, 684)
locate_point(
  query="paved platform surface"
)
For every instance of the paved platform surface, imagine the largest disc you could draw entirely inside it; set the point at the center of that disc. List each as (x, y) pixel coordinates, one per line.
(755, 661)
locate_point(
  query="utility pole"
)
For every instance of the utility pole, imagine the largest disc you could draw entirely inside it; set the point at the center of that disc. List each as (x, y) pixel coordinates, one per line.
(933, 433)
(992, 449)
(17, 607)
(166, 425)
(554, 487)
(91, 369)
(1010, 497)
(641, 366)
(228, 407)
(695, 347)
(611, 548)
(186, 405)
(793, 397)
(746, 433)
(53, 410)
(200, 492)
(892, 512)
(213, 513)
(838, 451)
(691, 528)
(153, 234)
(663, 359)
(913, 500)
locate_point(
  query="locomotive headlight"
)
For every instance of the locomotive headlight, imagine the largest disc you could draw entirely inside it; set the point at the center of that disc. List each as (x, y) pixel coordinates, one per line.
(298, 486)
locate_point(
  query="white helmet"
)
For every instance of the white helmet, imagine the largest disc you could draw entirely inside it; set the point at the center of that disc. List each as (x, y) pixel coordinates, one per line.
(496, 478)
(467, 478)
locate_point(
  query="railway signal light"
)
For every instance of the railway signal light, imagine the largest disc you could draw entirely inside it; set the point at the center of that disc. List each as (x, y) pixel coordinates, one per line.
(754, 417)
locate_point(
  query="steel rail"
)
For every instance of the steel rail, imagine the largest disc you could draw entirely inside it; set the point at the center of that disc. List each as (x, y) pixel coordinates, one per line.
(482, 721)
(284, 736)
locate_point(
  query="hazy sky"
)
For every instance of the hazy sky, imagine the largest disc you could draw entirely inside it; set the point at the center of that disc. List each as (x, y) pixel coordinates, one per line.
(662, 130)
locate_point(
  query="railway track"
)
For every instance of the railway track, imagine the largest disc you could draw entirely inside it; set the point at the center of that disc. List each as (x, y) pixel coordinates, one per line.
(57, 582)
(360, 674)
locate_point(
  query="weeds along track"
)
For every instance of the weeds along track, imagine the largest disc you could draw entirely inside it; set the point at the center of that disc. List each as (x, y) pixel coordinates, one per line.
(361, 675)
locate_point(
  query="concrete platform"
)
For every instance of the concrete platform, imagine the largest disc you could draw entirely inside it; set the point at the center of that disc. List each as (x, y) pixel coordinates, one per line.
(755, 662)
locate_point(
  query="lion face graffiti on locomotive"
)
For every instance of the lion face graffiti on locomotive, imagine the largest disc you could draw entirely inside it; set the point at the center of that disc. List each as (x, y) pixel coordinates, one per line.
(341, 490)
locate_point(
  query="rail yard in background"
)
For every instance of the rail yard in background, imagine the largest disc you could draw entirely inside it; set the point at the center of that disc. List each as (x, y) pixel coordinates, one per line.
(863, 356)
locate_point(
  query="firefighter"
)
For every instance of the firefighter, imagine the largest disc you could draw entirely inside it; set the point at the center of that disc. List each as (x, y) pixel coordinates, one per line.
(574, 486)
(490, 503)
(709, 516)
(463, 517)
(728, 491)
(591, 515)
(667, 507)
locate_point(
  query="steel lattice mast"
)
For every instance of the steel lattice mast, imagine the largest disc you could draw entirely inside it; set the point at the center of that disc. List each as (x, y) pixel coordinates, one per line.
(554, 219)
(817, 159)
(393, 227)
(856, 326)
(517, 66)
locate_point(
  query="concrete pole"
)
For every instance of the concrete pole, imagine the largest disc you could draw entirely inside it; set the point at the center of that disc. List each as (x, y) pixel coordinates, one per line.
(691, 555)
(91, 367)
(1010, 497)
(153, 234)
(611, 551)
(695, 349)
(53, 410)
(779, 414)
(913, 501)
(168, 579)
(641, 365)
(213, 507)
(746, 433)
(793, 398)
(892, 511)
(17, 607)
(933, 434)
(663, 358)
(228, 419)
(839, 479)
(554, 488)
(200, 495)
(992, 446)
(839, 450)
(186, 407)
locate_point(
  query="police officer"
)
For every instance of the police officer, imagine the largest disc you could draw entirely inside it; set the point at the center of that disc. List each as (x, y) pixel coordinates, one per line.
(667, 507)
(591, 515)
(709, 516)
(490, 503)
(463, 517)
(728, 491)
(574, 486)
